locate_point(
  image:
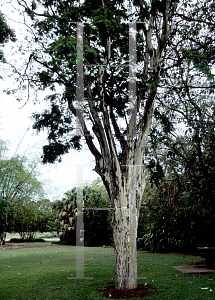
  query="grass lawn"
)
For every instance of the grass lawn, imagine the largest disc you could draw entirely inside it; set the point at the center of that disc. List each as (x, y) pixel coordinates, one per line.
(41, 273)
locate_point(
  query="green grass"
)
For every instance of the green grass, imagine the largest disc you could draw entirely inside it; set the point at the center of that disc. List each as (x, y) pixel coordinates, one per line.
(41, 273)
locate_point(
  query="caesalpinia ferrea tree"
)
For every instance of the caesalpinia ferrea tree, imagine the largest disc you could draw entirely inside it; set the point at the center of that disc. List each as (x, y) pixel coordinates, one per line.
(128, 50)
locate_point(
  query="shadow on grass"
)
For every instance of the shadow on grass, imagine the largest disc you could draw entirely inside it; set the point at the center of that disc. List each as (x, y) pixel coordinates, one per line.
(26, 240)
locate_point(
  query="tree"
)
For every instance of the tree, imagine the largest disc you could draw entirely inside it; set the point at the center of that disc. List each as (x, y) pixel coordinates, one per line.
(6, 34)
(18, 180)
(66, 216)
(179, 211)
(20, 190)
(29, 217)
(4, 207)
(46, 216)
(97, 223)
(169, 34)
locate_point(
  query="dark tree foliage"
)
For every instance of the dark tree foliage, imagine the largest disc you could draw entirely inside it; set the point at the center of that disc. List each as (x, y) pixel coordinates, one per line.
(179, 213)
(59, 123)
(97, 223)
(6, 34)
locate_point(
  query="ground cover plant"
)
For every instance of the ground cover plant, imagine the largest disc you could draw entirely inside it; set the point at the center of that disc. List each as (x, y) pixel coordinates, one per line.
(40, 271)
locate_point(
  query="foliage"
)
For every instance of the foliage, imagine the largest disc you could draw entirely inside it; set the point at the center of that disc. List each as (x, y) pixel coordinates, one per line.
(26, 240)
(18, 179)
(97, 223)
(57, 62)
(6, 34)
(29, 217)
(170, 230)
(46, 216)
(21, 204)
(4, 205)
(179, 211)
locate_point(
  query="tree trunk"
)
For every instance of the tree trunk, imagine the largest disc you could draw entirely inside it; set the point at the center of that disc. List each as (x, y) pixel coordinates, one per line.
(124, 233)
(123, 278)
(2, 238)
(120, 235)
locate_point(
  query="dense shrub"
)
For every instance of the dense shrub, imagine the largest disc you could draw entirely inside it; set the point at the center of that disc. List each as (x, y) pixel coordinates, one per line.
(14, 240)
(97, 223)
(167, 229)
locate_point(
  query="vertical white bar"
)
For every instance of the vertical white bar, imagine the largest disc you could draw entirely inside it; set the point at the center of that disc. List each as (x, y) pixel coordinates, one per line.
(132, 169)
(80, 78)
(132, 67)
(80, 224)
(80, 168)
(132, 225)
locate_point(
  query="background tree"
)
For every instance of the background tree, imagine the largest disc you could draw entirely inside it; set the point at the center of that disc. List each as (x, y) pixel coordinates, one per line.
(4, 207)
(20, 190)
(47, 216)
(29, 217)
(66, 217)
(6, 34)
(97, 223)
(169, 33)
(179, 209)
